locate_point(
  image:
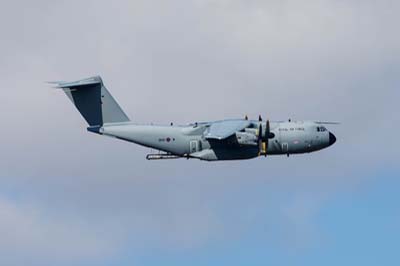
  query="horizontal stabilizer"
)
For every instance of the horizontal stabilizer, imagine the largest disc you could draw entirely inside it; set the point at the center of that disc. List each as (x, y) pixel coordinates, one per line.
(79, 83)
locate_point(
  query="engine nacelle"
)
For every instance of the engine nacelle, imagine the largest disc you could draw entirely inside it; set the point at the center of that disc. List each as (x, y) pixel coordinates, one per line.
(247, 138)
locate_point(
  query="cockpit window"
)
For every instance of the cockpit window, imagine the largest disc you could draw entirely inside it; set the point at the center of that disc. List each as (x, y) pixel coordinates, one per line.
(321, 129)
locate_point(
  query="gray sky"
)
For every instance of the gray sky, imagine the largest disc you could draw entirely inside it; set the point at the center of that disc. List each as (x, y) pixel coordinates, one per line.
(186, 61)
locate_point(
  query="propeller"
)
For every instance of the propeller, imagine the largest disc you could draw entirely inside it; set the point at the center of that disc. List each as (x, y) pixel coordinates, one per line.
(260, 139)
(267, 136)
(264, 139)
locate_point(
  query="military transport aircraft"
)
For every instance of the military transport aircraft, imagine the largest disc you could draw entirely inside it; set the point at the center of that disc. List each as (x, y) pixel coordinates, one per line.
(233, 139)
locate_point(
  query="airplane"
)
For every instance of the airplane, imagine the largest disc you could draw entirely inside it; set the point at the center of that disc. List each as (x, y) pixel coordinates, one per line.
(231, 139)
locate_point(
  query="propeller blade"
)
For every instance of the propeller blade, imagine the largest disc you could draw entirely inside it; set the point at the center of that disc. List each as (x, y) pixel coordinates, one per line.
(260, 139)
(267, 134)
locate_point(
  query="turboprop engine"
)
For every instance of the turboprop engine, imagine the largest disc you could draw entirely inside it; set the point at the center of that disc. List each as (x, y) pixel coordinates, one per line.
(249, 137)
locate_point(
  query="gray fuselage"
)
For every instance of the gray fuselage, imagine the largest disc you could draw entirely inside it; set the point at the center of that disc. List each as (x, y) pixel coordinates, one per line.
(231, 139)
(190, 141)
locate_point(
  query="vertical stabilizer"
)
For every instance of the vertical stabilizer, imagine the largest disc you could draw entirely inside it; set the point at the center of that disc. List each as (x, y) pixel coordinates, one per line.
(93, 101)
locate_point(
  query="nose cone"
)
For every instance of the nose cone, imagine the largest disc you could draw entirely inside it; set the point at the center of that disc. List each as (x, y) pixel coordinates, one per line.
(332, 139)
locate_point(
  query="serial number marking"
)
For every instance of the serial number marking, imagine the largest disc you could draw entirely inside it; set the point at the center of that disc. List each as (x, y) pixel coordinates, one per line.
(167, 139)
(292, 129)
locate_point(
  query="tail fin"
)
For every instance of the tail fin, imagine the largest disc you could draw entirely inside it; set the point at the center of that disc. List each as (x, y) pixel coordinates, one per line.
(93, 101)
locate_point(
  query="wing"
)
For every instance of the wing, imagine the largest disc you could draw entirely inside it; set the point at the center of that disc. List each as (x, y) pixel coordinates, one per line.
(326, 123)
(224, 129)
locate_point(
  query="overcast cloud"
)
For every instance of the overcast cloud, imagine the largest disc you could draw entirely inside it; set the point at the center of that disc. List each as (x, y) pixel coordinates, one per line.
(70, 196)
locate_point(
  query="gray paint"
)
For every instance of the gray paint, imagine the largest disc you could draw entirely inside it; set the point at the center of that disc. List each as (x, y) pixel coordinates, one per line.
(297, 141)
(93, 101)
(233, 139)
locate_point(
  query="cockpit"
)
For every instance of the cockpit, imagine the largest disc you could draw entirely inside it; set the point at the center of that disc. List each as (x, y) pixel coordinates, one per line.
(321, 129)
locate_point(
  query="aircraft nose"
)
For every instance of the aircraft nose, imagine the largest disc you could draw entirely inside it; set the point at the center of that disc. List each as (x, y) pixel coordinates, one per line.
(332, 139)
